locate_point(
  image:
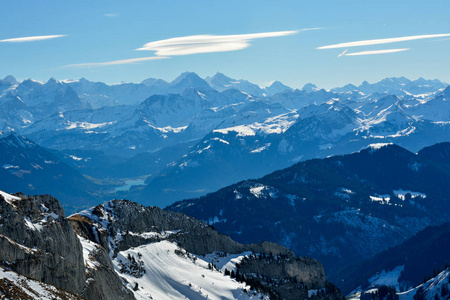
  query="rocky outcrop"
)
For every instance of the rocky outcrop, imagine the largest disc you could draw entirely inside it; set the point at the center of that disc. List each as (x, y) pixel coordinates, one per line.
(93, 254)
(102, 282)
(14, 286)
(120, 225)
(37, 240)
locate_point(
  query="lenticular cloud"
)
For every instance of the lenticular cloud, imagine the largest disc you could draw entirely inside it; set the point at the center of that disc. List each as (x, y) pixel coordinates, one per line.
(208, 43)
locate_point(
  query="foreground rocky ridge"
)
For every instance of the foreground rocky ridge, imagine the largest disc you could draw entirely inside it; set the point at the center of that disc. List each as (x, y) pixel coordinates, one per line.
(111, 250)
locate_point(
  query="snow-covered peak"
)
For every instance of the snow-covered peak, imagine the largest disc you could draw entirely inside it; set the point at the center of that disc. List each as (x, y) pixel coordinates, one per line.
(221, 82)
(446, 93)
(29, 84)
(155, 82)
(187, 77)
(219, 78)
(188, 80)
(378, 146)
(18, 141)
(9, 198)
(310, 87)
(276, 87)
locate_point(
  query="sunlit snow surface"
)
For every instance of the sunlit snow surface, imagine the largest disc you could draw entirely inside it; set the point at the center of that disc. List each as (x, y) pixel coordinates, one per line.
(89, 249)
(273, 125)
(401, 194)
(33, 288)
(9, 198)
(389, 278)
(225, 261)
(431, 288)
(171, 273)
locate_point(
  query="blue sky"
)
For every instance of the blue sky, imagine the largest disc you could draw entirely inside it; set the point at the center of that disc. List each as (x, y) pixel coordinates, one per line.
(94, 32)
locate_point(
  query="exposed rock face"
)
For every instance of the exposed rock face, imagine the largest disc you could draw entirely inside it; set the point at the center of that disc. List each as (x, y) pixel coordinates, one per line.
(85, 254)
(119, 217)
(102, 283)
(14, 286)
(120, 225)
(38, 241)
(292, 276)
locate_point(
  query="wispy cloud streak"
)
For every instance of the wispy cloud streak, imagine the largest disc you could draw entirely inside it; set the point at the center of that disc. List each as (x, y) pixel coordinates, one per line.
(376, 52)
(195, 44)
(32, 38)
(343, 53)
(117, 62)
(384, 41)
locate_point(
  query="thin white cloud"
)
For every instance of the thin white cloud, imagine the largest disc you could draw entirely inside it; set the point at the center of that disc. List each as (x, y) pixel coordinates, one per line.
(195, 44)
(343, 52)
(384, 41)
(111, 15)
(376, 52)
(116, 62)
(32, 38)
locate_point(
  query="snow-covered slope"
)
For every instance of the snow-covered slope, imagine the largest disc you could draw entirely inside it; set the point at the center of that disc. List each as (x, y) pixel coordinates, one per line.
(164, 255)
(169, 271)
(14, 286)
(220, 82)
(436, 288)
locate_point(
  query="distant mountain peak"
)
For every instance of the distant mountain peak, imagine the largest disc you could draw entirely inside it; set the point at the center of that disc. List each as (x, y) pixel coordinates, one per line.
(10, 80)
(186, 76)
(276, 87)
(51, 82)
(276, 83)
(446, 92)
(18, 141)
(154, 81)
(221, 75)
(188, 80)
(219, 79)
(310, 87)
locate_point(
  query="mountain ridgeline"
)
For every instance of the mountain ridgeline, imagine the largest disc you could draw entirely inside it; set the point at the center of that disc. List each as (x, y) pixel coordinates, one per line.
(123, 250)
(364, 215)
(339, 210)
(185, 138)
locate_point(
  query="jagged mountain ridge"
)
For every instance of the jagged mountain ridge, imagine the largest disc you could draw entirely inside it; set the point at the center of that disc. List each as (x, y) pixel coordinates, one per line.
(238, 128)
(123, 250)
(27, 167)
(344, 207)
(311, 131)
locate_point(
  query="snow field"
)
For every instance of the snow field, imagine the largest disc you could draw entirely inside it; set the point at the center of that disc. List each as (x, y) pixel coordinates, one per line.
(172, 273)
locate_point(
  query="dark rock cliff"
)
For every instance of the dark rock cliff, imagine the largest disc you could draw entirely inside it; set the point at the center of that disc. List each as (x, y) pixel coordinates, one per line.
(38, 241)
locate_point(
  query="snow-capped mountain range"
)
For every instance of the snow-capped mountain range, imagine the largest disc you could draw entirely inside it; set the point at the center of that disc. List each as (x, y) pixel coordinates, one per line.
(221, 127)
